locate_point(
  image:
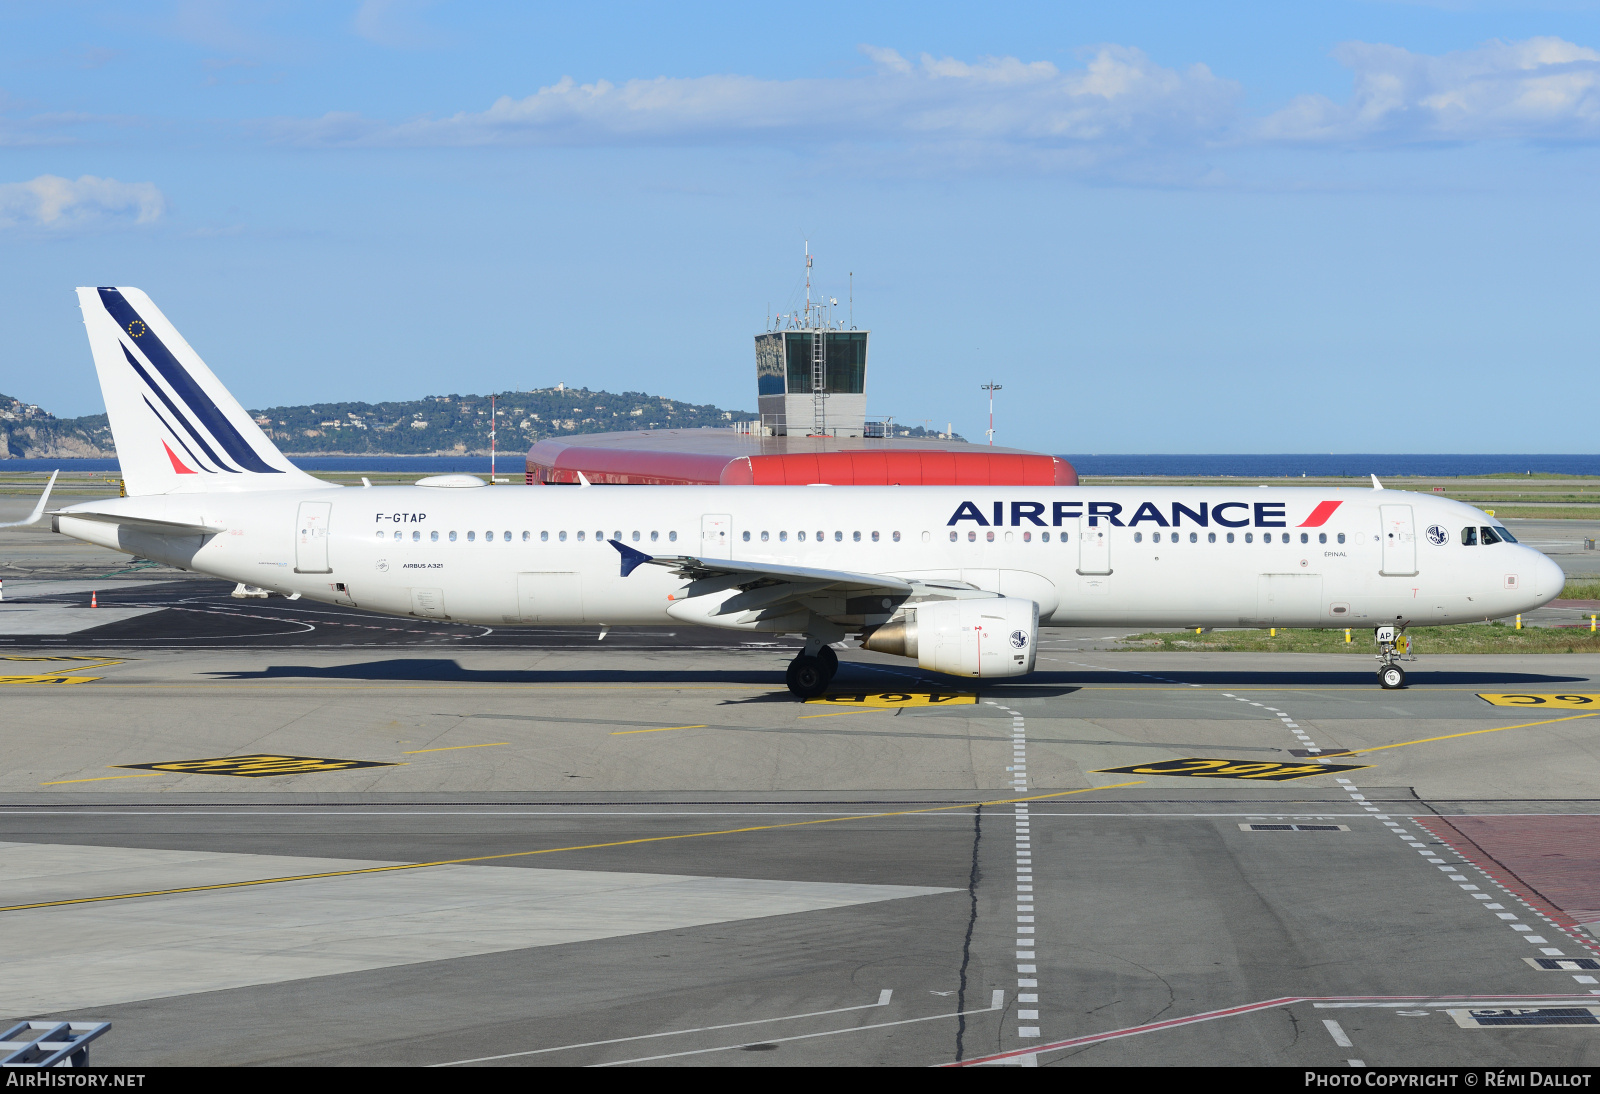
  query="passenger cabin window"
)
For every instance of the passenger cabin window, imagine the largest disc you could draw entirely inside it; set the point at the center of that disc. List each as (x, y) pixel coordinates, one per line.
(452, 537)
(855, 537)
(1044, 537)
(562, 536)
(672, 537)
(1341, 537)
(1230, 537)
(654, 536)
(952, 537)
(1027, 537)
(838, 537)
(1249, 537)
(1322, 537)
(1211, 537)
(544, 537)
(1194, 537)
(1489, 536)
(416, 537)
(636, 537)
(1138, 537)
(433, 536)
(747, 537)
(763, 537)
(972, 537)
(380, 533)
(1305, 538)
(526, 536)
(783, 537)
(801, 536)
(990, 536)
(1469, 536)
(471, 536)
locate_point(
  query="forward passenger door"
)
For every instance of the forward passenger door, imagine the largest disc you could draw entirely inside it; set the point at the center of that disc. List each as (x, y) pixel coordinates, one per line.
(1399, 541)
(1094, 548)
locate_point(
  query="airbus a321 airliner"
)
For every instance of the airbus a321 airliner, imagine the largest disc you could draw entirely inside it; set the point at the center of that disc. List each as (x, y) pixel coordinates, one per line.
(959, 578)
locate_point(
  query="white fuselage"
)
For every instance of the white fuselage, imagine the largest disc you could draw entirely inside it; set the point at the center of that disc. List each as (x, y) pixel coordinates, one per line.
(1223, 556)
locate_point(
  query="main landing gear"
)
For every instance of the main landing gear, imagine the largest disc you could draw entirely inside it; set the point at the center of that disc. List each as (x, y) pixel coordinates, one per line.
(1394, 645)
(808, 674)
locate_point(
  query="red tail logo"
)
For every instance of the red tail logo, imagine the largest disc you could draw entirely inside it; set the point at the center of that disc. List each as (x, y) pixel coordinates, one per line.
(1319, 516)
(177, 464)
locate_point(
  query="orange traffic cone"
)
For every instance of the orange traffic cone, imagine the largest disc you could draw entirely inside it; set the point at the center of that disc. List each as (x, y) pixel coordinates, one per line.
(94, 601)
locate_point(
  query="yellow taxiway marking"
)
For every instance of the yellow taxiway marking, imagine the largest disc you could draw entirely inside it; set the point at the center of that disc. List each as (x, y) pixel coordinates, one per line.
(453, 748)
(47, 679)
(896, 698)
(558, 850)
(106, 778)
(842, 713)
(663, 729)
(1549, 702)
(1339, 753)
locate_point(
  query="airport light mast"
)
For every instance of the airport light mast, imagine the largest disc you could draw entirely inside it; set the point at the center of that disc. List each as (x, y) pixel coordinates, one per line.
(991, 387)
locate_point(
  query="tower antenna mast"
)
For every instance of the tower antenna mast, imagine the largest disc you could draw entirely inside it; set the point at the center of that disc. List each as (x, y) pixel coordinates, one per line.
(991, 387)
(808, 283)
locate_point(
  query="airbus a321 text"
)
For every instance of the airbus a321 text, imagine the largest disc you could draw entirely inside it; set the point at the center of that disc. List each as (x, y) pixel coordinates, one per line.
(959, 578)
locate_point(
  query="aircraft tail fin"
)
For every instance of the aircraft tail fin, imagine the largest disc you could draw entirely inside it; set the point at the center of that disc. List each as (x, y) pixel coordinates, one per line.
(176, 428)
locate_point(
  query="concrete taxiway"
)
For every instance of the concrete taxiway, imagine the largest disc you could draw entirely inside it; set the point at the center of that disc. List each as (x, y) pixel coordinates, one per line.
(269, 832)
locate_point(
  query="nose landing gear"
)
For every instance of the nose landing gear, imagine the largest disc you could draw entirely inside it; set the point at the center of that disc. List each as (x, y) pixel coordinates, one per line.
(809, 674)
(1394, 645)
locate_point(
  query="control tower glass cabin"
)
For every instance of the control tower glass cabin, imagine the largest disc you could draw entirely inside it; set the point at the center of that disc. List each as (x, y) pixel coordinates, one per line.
(791, 399)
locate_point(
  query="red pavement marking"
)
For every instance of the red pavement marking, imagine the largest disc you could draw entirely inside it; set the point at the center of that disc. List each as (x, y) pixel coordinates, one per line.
(1248, 1008)
(1552, 862)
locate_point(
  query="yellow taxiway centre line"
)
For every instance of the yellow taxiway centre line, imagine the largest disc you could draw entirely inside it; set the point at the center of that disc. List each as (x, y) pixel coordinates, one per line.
(663, 729)
(108, 778)
(1452, 736)
(453, 748)
(558, 850)
(842, 713)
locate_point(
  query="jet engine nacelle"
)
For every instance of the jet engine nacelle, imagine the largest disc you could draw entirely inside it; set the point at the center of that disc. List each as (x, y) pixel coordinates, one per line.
(993, 636)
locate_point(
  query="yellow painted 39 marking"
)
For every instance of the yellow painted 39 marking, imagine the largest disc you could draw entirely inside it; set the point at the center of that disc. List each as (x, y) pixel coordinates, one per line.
(1554, 702)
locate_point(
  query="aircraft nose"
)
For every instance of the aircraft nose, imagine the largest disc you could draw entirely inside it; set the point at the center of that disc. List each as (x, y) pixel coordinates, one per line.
(1550, 579)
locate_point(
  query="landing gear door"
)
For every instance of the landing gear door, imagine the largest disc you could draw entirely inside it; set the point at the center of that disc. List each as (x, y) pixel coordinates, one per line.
(1399, 541)
(716, 535)
(311, 538)
(1094, 547)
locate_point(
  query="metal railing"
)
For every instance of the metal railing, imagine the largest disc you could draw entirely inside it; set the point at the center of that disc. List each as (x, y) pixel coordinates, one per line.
(49, 1044)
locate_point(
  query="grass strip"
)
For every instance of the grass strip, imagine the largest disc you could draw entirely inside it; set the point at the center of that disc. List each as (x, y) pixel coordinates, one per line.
(1464, 638)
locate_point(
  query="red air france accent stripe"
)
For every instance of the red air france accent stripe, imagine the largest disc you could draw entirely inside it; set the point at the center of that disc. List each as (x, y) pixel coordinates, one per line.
(177, 465)
(1319, 516)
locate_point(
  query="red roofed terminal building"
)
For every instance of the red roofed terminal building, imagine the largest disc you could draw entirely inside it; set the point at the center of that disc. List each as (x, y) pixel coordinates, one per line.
(811, 375)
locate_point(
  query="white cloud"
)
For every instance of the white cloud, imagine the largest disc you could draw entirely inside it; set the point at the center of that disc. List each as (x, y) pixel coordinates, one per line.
(51, 201)
(1541, 88)
(1117, 99)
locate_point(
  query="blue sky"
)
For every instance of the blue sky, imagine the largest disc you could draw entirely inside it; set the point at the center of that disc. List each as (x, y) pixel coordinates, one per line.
(1162, 227)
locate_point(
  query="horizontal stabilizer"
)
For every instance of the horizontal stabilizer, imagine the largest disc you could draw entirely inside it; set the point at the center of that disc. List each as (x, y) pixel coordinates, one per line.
(143, 524)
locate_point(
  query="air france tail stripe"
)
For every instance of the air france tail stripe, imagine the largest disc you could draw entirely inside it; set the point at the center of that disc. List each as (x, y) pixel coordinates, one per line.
(176, 413)
(198, 402)
(187, 451)
(1319, 516)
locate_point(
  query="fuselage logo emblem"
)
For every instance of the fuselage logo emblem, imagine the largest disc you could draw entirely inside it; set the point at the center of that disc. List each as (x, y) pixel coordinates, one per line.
(1437, 535)
(1019, 639)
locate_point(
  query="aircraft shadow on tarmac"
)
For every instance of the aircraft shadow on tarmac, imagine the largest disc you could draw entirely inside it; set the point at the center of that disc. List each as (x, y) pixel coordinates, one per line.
(1039, 684)
(442, 671)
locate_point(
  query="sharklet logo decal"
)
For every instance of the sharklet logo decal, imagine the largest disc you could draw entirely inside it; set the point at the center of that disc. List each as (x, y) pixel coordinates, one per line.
(177, 464)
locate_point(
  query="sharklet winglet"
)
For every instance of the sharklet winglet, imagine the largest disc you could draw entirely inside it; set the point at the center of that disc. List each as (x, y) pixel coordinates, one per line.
(632, 559)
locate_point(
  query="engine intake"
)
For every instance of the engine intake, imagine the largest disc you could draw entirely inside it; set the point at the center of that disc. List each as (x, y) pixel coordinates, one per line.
(993, 636)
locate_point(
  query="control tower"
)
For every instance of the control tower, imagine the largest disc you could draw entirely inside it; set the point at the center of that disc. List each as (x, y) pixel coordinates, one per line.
(811, 372)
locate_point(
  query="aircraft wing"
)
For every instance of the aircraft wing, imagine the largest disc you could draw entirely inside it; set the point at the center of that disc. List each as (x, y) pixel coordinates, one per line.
(750, 574)
(38, 510)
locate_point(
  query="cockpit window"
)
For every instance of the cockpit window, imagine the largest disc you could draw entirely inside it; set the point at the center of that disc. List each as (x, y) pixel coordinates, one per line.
(1469, 537)
(1489, 536)
(1503, 534)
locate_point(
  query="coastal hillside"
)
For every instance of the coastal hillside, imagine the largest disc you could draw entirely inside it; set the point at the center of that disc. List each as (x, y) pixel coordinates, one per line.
(444, 425)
